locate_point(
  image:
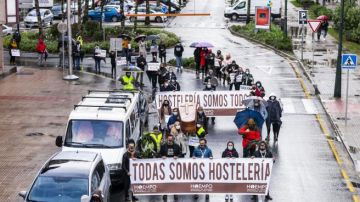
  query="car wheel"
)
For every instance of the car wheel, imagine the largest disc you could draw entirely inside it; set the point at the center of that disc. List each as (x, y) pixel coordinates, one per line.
(234, 16)
(158, 19)
(132, 19)
(114, 19)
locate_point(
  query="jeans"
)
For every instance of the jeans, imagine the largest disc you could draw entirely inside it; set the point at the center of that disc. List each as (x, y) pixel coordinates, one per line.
(125, 53)
(97, 66)
(178, 61)
(113, 70)
(77, 63)
(41, 57)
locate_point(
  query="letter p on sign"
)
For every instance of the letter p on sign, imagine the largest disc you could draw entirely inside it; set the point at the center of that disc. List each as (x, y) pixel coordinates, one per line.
(302, 17)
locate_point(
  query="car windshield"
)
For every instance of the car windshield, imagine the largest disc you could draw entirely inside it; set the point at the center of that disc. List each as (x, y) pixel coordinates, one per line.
(95, 133)
(32, 13)
(69, 189)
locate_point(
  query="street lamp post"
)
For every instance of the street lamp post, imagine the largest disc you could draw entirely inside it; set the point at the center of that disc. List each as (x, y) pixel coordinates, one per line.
(70, 76)
(285, 19)
(337, 89)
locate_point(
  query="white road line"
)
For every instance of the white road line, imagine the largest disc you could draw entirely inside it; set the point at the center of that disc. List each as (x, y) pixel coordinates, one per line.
(309, 106)
(288, 106)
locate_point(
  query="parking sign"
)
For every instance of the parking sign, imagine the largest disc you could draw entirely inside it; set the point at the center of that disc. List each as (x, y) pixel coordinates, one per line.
(303, 17)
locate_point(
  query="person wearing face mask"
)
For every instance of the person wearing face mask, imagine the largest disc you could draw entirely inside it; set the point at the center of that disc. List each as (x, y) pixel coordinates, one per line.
(200, 133)
(202, 151)
(175, 85)
(165, 113)
(258, 106)
(209, 60)
(259, 89)
(230, 152)
(128, 81)
(247, 78)
(251, 136)
(233, 69)
(202, 118)
(263, 152)
(131, 153)
(238, 78)
(219, 59)
(173, 118)
(274, 109)
(157, 136)
(179, 137)
(166, 86)
(211, 80)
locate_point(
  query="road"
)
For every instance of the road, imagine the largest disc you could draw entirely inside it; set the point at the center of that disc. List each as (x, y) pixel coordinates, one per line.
(305, 169)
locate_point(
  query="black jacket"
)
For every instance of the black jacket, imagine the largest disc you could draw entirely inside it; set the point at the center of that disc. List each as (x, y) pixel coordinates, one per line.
(170, 150)
(268, 154)
(141, 62)
(126, 161)
(162, 49)
(112, 56)
(178, 50)
(230, 153)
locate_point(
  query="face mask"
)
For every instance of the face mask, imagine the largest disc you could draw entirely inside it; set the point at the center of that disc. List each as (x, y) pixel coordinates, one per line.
(208, 86)
(198, 125)
(230, 147)
(175, 113)
(251, 127)
(166, 104)
(262, 149)
(128, 75)
(258, 85)
(166, 84)
(177, 127)
(247, 72)
(256, 104)
(200, 112)
(272, 98)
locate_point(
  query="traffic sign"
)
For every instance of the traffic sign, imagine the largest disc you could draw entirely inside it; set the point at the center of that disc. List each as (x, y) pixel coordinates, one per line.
(348, 61)
(314, 24)
(303, 16)
(164, 9)
(62, 27)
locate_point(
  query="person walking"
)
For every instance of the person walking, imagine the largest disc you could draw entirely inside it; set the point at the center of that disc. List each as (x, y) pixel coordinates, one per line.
(197, 52)
(178, 51)
(233, 69)
(179, 138)
(202, 151)
(170, 150)
(77, 55)
(209, 61)
(142, 47)
(141, 63)
(203, 54)
(154, 48)
(128, 81)
(274, 109)
(97, 58)
(17, 37)
(12, 46)
(247, 78)
(230, 152)
(251, 136)
(323, 29)
(200, 133)
(41, 50)
(131, 153)
(157, 136)
(112, 56)
(259, 90)
(125, 48)
(162, 52)
(263, 152)
(219, 64)
(173, 118)
(202, 118)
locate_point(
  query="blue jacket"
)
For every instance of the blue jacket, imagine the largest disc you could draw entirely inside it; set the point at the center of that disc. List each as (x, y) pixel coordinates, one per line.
(171, 120)
(206, 153)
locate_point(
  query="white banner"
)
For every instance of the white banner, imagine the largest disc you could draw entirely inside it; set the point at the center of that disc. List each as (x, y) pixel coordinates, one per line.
(121, 62)
(153, 66)
(115, 44)
(102, 53)
(15, 52)
(215, 103)
(199, 176)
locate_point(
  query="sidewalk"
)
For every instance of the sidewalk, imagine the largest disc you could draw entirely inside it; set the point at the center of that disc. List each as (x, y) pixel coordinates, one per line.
(321, 66)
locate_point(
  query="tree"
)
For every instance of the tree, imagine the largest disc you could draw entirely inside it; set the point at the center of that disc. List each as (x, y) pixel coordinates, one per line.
(248, 12)
(136, 12)
(86, 12)
(102, 4)
(123, 14)
(79, 17)
(147, 18)
(40, 24)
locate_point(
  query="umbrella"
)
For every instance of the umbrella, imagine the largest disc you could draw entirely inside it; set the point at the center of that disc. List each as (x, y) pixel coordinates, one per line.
(132, 69)
(123, 36)
(242, 118)
(204, 45)
(138, 38)
(322, 17)
(250, 100)
(193, 44)
(152, 37)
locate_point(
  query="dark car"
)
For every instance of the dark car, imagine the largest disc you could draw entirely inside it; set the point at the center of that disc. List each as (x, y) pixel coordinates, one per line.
(56, 10)
(109, 14)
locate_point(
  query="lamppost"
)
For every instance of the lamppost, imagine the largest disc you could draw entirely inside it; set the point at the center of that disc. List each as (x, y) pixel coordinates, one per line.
(285, 19)
(337, 89)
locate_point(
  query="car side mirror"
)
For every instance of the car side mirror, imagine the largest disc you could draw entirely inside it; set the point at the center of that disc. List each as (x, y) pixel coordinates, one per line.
(22, 194)
(85, 198)
(59, 141)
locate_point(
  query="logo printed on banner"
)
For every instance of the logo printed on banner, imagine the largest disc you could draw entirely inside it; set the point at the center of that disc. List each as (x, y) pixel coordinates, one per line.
(314, 24)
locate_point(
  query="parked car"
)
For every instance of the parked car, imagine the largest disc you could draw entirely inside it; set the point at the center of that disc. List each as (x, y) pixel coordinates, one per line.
(128, 5)
(56, 10)
(142, 10)
(69, 176)
(153, 7)
(110, 14)
(6, 30)
(46, 18)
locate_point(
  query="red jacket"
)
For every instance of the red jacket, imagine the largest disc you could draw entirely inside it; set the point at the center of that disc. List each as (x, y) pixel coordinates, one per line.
(202, 58)
(40, 47)
(248, 136)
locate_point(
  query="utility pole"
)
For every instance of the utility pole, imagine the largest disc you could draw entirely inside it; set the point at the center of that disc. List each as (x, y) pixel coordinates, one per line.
(285, 19)
(40, 24)
(337, 89)
(248, 11)
(2, 21)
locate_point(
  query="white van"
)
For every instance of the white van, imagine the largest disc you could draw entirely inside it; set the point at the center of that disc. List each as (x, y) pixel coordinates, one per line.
(103, 122)
(239, 8)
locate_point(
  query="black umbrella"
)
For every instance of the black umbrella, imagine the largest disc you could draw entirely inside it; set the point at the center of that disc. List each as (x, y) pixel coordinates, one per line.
(138, 38)
(123, 36)
(152, 37)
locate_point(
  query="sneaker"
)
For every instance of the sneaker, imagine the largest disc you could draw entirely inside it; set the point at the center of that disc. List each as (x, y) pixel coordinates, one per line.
(165, 197)
(268, 197)
(196, 197)
(254, 198)
(175, 197)
(231, 197)
(207, 196)
(226, 197)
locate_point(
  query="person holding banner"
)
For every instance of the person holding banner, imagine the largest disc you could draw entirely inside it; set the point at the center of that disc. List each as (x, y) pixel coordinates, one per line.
(12, 46)
(195, 139)
(201, 118)
(173, 118)
(97, 59)
(247, 78)
(112, 55)
(165, 113)
(202, 151)
(170, 149)
(230, 152)
(219, 58)
(251, 136)
(133, 154)
(263, 152)
(179, 137)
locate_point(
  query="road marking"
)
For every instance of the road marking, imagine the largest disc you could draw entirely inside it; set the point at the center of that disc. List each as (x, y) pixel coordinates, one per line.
(347, 181)
(309, 106)
(288, 106)
(307, 94)
(356, 198)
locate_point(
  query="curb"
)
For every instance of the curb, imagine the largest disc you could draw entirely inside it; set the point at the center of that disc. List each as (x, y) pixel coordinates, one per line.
(336, 129)
(7, 73)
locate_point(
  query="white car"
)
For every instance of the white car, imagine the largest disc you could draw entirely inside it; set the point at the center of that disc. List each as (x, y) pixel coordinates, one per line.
(142, 10)
(6, 30)
(46, 18)
(70, 176)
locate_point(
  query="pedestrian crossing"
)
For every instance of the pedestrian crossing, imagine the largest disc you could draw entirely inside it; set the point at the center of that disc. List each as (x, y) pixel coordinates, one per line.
(299, 106)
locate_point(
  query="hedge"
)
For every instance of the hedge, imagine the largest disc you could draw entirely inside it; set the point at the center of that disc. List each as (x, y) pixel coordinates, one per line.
(187, 62)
